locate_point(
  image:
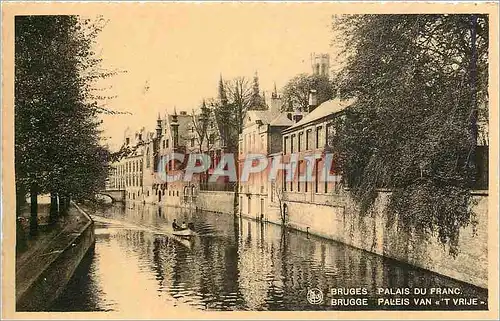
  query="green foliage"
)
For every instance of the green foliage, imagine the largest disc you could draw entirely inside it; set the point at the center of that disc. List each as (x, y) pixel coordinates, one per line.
(419, 81)
(57, 133)
(296, 91)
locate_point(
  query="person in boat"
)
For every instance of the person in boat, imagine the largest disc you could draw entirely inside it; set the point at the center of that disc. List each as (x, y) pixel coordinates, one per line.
(183, 226)
(175, 226)
(191, 226)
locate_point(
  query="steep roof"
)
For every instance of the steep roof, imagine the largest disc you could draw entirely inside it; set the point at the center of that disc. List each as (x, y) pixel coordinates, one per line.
(281, 120)
(268, 117)
(264, 115)
(327, 108)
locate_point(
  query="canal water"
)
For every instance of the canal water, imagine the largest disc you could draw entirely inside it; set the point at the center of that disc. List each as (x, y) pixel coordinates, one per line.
(237, 264)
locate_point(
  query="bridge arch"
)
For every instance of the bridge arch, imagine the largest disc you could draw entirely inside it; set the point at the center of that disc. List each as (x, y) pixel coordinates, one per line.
(114, 195)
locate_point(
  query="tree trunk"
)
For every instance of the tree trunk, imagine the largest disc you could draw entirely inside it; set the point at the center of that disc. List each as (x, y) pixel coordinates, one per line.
(34, 210)
(64, 204)
(474, 108)
(20, 232)
(68, 202)
(54, 212)
(20, 236)
(20, 199)
(235, 200)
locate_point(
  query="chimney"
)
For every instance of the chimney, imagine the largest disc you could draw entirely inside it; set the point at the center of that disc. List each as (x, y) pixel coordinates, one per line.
(297, 118)
(313, 100)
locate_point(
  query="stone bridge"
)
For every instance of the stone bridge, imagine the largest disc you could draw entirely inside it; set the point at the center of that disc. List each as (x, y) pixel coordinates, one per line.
(116, 195)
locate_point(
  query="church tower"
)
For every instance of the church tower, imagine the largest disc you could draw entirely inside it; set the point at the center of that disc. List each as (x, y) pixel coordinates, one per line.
(320, 64)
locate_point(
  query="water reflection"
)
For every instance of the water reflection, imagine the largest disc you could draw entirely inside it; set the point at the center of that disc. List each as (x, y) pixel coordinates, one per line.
(234, 264)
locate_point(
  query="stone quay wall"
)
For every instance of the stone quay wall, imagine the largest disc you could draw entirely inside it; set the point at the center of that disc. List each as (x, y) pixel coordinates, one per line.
(215, 201)
(341, 221)
(49, 282)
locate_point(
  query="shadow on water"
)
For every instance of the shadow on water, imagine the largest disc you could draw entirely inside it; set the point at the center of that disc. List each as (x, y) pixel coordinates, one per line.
(83, 291)
(233, 264)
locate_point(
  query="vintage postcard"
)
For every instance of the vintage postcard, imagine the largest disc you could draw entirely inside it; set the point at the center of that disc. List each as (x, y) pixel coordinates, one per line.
(249, 160)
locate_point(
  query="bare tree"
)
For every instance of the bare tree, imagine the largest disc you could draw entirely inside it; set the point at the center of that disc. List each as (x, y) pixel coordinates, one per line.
(278, 191)
(240, 94)
(203, 124)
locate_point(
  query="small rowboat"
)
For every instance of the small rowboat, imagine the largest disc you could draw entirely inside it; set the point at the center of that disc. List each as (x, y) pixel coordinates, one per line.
(185, 232)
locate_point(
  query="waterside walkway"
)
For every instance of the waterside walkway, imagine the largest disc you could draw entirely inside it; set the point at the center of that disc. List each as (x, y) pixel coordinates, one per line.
(46, 262)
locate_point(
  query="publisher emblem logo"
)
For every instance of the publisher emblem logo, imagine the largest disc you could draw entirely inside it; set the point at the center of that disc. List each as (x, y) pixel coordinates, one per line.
(315, 296)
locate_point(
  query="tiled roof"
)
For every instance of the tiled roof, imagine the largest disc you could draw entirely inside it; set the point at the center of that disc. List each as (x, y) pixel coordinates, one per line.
(264, 115)
(268, 117)
(281, 120)
(327, 108)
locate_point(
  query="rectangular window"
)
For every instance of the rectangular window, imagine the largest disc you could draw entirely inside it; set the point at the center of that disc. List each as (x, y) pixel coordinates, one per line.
(316, 176)
(285, 145)
(166, 144)
(308, 134)
(192, 142)
(299, 143)
(299, 168)
(318, 137)
(292, 141)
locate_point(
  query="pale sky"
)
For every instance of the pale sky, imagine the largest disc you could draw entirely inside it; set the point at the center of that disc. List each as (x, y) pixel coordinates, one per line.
(181, 51)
